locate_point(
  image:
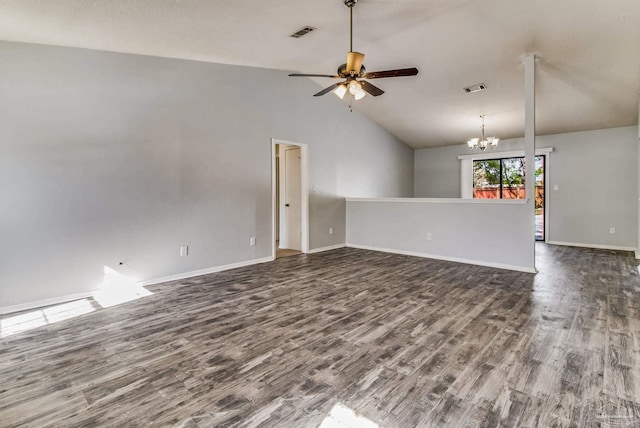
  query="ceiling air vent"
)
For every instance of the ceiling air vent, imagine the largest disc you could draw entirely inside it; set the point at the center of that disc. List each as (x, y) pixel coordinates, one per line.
(475, 88)
(301, 32)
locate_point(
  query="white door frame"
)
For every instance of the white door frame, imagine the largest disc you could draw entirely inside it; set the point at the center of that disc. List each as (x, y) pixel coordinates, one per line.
(304, 197)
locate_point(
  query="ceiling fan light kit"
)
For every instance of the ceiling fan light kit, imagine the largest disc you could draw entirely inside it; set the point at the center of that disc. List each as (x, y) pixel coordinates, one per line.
(484, 142)
(340, 91)
(354, 69)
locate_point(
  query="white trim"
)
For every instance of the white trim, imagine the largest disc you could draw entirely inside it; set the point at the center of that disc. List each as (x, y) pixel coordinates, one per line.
(443, 200)
(304, 183)
(547, 198)
(45, 302)
(71, 297)
(445, 258)
(329, 248)
(274, 218)
(304, 186)
(466, 178)
(509, 154)
(206, 271)
(596, 246)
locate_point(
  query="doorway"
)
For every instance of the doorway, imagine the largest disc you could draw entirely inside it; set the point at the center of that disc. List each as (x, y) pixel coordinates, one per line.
(290, 198)
(540, 198)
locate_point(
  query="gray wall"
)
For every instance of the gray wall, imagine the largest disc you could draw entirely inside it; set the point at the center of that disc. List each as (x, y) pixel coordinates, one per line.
(461, 230)
(437, 173)
(596, 173)
(111, 157)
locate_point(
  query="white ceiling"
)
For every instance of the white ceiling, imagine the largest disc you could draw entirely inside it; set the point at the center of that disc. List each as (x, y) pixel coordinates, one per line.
(588, 69)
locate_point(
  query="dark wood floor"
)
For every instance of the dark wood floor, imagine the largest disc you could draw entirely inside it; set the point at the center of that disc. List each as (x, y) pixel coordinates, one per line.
(402, 341)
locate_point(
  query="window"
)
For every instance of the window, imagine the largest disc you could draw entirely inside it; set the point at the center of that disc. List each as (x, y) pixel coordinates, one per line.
(489, 176)
(499, 178)
(505, 179)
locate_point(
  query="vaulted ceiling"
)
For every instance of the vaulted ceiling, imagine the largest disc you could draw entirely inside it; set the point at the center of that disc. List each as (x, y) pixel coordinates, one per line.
(588, 70)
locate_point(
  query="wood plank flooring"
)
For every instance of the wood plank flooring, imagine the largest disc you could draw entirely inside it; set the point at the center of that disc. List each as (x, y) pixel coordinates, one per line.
(285, 252)
(401, 341)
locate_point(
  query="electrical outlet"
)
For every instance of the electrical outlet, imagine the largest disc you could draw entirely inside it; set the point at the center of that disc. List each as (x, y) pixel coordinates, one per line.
(429, 236)
(612, 230)
(184, 251)
(555, 187)
(252, 241)
(331, 231)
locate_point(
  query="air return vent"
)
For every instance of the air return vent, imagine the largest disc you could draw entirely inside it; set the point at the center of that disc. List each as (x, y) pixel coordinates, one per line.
(475, 88)
(301, 32)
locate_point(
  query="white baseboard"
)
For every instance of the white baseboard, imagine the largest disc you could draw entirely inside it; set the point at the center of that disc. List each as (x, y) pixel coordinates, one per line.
(596, 246)
(329, 248)
(45, 302)
(68, 298)
(214, 269)
(446, 258)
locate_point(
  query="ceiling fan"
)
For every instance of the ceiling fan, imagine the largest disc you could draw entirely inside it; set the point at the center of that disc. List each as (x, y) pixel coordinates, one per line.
(354, 70)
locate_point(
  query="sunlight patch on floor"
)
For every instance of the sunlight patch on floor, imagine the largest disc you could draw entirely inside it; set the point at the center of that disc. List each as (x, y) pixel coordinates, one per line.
(118, 288)
(341, 416)
(115, 289)
(41, 317)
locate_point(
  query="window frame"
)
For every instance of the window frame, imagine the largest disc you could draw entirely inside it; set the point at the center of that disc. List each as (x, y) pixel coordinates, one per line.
(466, 175)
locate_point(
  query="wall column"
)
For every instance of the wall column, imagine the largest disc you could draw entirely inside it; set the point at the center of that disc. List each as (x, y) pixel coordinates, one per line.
(530, 144)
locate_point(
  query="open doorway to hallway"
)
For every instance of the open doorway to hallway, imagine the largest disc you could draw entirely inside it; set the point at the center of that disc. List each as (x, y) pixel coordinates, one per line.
(290, 199)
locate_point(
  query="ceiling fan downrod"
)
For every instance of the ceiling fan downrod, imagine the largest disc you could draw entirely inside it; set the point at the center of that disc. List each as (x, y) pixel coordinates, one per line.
(350, 4)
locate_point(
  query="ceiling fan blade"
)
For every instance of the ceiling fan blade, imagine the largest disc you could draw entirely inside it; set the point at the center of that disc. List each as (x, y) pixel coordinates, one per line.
(315, 75)
(329, 89)
(391, 73)
(354, 62)
(371, 89)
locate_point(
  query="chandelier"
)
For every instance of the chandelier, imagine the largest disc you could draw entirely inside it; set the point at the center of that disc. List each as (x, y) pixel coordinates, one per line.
(483, 143)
